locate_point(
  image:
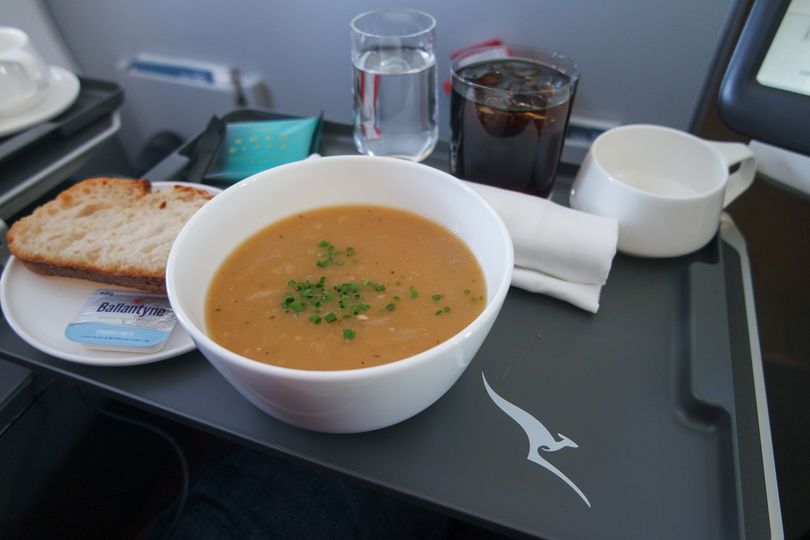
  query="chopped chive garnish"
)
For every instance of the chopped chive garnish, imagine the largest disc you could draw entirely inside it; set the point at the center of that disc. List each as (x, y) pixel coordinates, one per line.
(439, 312)
(466, 291)
(359, 308)
(330, 254)
(314, 299)
(437, 297)
(446, 309)
(345, 288)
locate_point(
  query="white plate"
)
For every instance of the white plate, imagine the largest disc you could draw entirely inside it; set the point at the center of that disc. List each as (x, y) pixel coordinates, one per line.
(61, 94)
(38, 308)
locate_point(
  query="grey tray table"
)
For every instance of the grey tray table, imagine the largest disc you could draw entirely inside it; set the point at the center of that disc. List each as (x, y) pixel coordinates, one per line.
(661, 391)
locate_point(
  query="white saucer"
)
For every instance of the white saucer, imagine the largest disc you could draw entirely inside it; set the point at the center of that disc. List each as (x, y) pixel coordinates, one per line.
(62, 92)
(38, 308)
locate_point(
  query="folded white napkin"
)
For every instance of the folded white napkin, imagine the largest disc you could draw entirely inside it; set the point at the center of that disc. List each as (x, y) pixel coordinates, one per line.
(559, 251)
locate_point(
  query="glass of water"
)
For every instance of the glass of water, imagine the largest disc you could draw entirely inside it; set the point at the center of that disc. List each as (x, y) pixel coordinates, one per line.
(394, 83)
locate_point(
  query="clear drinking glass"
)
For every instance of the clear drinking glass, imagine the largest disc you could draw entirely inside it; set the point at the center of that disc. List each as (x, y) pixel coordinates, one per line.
(394, 83)
(509, 112)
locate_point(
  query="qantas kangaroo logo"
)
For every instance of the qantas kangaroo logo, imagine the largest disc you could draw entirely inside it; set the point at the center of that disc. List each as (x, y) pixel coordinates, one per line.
(540, 438)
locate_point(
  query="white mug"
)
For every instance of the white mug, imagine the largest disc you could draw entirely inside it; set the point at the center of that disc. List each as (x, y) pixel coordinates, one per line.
(665, 187)
(24, 77)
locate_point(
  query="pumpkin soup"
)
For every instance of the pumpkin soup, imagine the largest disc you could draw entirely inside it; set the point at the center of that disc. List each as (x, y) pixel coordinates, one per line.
(344, 287)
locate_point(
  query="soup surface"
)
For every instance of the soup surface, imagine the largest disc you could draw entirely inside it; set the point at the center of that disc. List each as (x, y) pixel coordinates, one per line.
(344, 287)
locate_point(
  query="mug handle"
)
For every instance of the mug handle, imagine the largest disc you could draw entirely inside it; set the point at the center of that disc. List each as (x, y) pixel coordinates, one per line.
(28, 63)
(21, 58)
(743, 177)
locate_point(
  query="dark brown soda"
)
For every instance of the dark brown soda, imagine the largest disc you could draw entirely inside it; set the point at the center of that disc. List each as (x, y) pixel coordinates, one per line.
(510, 137)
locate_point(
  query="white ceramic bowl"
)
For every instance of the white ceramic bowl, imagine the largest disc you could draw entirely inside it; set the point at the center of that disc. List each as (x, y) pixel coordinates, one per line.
(350, 400)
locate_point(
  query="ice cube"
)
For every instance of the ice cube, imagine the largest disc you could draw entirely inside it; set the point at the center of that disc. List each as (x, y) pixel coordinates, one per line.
(524, 71)
(490, 78)
(500, 122)
(496, 100)
(528, 102)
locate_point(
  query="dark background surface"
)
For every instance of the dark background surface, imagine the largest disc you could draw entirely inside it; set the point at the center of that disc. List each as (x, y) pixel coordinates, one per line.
(776, 226)
(775, 222)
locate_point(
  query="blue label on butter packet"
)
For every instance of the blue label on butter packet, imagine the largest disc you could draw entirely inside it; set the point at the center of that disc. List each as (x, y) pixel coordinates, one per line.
(123, 321)
(251, 147)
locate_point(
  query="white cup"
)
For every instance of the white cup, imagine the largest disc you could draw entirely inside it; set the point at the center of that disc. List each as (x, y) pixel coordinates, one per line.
(24, 76)
(665, 187)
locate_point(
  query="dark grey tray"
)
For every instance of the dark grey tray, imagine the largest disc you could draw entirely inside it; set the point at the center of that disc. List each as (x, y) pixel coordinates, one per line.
(96, 99)
(660, 391)
(37, 159)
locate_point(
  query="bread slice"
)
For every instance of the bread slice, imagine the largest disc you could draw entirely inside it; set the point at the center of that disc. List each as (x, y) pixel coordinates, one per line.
(109, 230)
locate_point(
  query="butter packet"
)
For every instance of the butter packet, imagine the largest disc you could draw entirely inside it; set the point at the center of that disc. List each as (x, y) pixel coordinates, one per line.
(250, 147)
(129, 321)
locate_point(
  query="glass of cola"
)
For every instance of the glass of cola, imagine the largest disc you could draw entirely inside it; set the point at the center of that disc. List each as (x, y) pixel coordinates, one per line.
(509, 111)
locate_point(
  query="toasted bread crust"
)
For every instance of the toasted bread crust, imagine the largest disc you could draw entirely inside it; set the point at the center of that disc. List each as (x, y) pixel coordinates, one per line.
(86, 232)
(143, 283)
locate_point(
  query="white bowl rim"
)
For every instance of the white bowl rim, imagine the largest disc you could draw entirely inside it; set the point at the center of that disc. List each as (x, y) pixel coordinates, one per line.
(494, 300)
